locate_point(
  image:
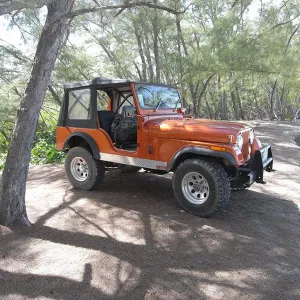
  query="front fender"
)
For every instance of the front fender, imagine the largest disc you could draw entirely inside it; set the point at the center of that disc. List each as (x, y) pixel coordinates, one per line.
(201, 151)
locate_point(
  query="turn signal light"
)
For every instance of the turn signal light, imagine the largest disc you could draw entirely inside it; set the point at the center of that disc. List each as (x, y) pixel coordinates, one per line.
(216, 148)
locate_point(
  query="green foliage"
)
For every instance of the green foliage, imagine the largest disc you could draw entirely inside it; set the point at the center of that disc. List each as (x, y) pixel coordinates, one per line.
(44, 152)
(2, 160)
(44, 148)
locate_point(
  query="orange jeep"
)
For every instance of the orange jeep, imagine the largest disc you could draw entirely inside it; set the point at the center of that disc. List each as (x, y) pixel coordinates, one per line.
(134, 125)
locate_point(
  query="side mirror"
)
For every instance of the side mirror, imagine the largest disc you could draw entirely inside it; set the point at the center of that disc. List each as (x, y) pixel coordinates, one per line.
(181, 110)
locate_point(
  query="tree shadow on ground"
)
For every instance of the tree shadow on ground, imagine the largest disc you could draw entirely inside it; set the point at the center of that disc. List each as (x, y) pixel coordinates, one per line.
(250, 249)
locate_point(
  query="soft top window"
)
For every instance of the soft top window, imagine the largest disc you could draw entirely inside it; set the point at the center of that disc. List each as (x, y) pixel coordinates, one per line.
(79, 104)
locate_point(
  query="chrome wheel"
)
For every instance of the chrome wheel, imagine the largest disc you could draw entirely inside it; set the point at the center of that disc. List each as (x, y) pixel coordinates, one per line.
(195, 188)
(79, 169)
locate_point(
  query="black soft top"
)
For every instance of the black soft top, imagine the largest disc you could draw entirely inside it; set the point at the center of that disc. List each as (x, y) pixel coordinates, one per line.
(107, 82)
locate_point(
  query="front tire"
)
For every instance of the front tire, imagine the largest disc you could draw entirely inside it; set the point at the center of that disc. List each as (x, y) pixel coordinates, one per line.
(201, 186)
(83, 170)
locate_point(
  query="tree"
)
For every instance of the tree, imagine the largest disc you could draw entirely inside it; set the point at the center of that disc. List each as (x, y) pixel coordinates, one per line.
(12, 204)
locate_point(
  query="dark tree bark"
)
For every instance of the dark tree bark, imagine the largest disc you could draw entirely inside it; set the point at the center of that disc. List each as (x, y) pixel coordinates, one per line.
(12, 201)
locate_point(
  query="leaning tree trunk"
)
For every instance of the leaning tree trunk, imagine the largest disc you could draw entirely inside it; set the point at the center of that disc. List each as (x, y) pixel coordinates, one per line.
(12, 201)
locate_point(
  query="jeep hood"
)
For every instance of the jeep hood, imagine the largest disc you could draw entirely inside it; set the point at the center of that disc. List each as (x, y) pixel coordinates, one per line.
(196, 129)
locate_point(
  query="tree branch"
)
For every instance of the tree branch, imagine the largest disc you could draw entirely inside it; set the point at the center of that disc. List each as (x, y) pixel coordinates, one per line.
(54, 95)
(125, 6)
(286, 22)
(290, 39)
(8, 6)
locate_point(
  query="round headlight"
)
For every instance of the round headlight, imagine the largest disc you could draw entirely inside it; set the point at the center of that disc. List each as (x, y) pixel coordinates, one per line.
(240, 141)
(251, 136)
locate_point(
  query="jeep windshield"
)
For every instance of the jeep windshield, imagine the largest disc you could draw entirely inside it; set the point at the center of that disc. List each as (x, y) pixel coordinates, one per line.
(157, 97)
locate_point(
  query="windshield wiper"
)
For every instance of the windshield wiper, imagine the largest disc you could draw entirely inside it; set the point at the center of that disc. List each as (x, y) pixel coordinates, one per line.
(158, 104)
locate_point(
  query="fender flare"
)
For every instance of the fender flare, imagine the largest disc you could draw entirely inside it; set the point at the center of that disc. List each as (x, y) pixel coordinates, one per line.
(201, 151)
(88, 139)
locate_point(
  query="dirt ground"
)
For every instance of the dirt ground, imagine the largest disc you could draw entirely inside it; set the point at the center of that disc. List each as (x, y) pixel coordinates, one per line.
(130, 240)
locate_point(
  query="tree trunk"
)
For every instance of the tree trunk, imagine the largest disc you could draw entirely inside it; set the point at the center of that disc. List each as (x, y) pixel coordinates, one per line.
(296, 115)
(209, 110)
(257, 106)
(148, 57)
(12, 201)
(235, 109)
(179, 54)
(141, 53)
(224, 106)
(240, 104)
(207, 81)
(181, 42)
(194, 100)
(155, 43)
(272, 106)
(282, 103)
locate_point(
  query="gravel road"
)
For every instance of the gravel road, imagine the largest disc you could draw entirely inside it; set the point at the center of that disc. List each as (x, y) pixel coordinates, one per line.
(130, 240)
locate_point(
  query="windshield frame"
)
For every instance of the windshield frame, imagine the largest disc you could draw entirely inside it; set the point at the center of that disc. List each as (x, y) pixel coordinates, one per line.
(155, 107)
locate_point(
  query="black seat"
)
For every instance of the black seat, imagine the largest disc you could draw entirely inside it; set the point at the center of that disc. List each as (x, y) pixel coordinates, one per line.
(106, 118)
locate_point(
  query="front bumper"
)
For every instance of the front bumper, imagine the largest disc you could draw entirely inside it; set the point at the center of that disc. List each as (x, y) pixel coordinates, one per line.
(261, 161)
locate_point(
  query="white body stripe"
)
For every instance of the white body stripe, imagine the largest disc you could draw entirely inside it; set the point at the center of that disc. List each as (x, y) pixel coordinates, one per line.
(133, 161)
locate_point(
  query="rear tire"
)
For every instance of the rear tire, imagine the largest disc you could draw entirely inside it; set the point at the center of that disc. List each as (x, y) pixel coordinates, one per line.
(201, 186)
(83, 170)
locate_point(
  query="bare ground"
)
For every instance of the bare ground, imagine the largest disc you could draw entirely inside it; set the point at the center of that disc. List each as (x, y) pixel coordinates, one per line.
(130, 240)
